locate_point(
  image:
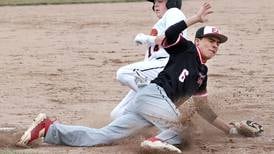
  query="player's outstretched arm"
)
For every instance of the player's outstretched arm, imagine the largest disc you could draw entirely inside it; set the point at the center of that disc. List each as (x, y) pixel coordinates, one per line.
(206, 112)
(247, 128)
(175, 30)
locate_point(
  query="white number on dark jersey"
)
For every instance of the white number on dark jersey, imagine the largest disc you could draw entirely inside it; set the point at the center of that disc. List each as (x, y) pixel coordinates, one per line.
(183, 75)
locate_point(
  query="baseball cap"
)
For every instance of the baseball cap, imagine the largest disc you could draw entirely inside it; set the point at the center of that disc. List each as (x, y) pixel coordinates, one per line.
(210, 31)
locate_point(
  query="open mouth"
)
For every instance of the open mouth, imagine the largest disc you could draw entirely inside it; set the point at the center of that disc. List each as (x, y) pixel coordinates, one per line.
(213, 51)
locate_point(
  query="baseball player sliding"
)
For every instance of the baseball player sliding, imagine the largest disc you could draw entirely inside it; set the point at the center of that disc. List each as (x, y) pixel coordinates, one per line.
(142, 72)
(184, 76)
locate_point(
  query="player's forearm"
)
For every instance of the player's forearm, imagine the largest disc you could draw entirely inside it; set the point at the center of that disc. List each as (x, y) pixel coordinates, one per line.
(206, 112)
(173, 32)
(220, 124)
(192, 20)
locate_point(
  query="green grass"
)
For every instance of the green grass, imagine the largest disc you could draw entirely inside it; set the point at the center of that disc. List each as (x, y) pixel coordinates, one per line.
(41, 2)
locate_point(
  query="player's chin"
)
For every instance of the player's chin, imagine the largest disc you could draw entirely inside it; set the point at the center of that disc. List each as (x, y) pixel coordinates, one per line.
(158, 14)
(209, 56)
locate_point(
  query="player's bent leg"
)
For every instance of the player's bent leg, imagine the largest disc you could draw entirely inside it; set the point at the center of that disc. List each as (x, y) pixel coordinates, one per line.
(126, 77)
(119, 110)
(150, 69)
(127, 74)
(83, 136)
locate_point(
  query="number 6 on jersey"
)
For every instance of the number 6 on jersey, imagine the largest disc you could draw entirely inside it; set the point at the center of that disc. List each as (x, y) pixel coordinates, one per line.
(183, 75)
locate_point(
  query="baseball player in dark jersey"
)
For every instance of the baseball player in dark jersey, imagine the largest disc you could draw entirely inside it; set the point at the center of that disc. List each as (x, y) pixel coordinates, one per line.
(134, 74)
(184, 76)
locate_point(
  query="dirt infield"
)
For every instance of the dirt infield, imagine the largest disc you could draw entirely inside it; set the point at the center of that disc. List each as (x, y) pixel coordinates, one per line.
(62, 59)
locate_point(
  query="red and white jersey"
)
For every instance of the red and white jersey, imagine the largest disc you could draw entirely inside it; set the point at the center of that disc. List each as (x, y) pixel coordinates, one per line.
(172, 16)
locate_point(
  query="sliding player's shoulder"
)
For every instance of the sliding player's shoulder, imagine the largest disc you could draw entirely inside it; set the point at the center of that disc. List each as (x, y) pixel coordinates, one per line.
(174, 11)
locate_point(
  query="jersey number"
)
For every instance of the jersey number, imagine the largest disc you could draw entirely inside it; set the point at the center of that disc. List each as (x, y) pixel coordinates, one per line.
(183, 75)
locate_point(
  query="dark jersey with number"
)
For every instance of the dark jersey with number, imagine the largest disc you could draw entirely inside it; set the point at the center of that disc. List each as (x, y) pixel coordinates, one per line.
(185, 74)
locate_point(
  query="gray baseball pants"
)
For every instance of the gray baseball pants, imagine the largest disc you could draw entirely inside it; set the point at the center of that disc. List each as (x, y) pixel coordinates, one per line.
(151, 108)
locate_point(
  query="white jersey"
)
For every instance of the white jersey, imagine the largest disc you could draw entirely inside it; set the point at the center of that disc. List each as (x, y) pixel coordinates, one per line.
(171, 16)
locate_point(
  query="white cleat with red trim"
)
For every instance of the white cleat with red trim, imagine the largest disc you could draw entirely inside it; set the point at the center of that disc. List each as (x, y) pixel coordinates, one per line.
(154, 143)
(37, 130)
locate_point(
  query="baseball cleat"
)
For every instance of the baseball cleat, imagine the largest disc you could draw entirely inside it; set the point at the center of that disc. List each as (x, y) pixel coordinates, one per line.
(154, 143)
(37, 130)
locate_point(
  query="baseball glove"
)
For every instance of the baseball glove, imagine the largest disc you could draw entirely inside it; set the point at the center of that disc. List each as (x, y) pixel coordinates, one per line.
(248, 128)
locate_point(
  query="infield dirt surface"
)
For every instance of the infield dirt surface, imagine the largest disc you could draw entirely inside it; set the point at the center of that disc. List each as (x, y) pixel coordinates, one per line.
(62, 60)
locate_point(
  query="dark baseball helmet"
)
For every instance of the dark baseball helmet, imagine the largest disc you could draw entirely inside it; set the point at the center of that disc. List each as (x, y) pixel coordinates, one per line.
(170, 4)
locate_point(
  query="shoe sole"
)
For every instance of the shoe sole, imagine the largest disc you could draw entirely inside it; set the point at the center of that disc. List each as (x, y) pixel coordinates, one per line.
(27, 135)
(160, 146)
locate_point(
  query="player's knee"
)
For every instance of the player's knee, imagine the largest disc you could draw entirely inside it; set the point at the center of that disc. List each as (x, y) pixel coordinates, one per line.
(122, 76)
(127, 78)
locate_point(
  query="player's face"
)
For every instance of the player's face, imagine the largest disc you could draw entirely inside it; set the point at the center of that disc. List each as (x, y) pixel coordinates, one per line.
(160, 8)
(208, 46)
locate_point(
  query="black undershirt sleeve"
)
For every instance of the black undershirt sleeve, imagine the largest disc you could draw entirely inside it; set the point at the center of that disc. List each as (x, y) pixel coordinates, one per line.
(173, 32)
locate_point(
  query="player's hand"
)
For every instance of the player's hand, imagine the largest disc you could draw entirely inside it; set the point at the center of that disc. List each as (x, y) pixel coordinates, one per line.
(141, 39)
(201, 15)
(204, 11)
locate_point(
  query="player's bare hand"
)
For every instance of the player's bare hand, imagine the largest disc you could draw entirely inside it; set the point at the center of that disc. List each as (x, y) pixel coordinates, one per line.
(203, 12)
(201, 15)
